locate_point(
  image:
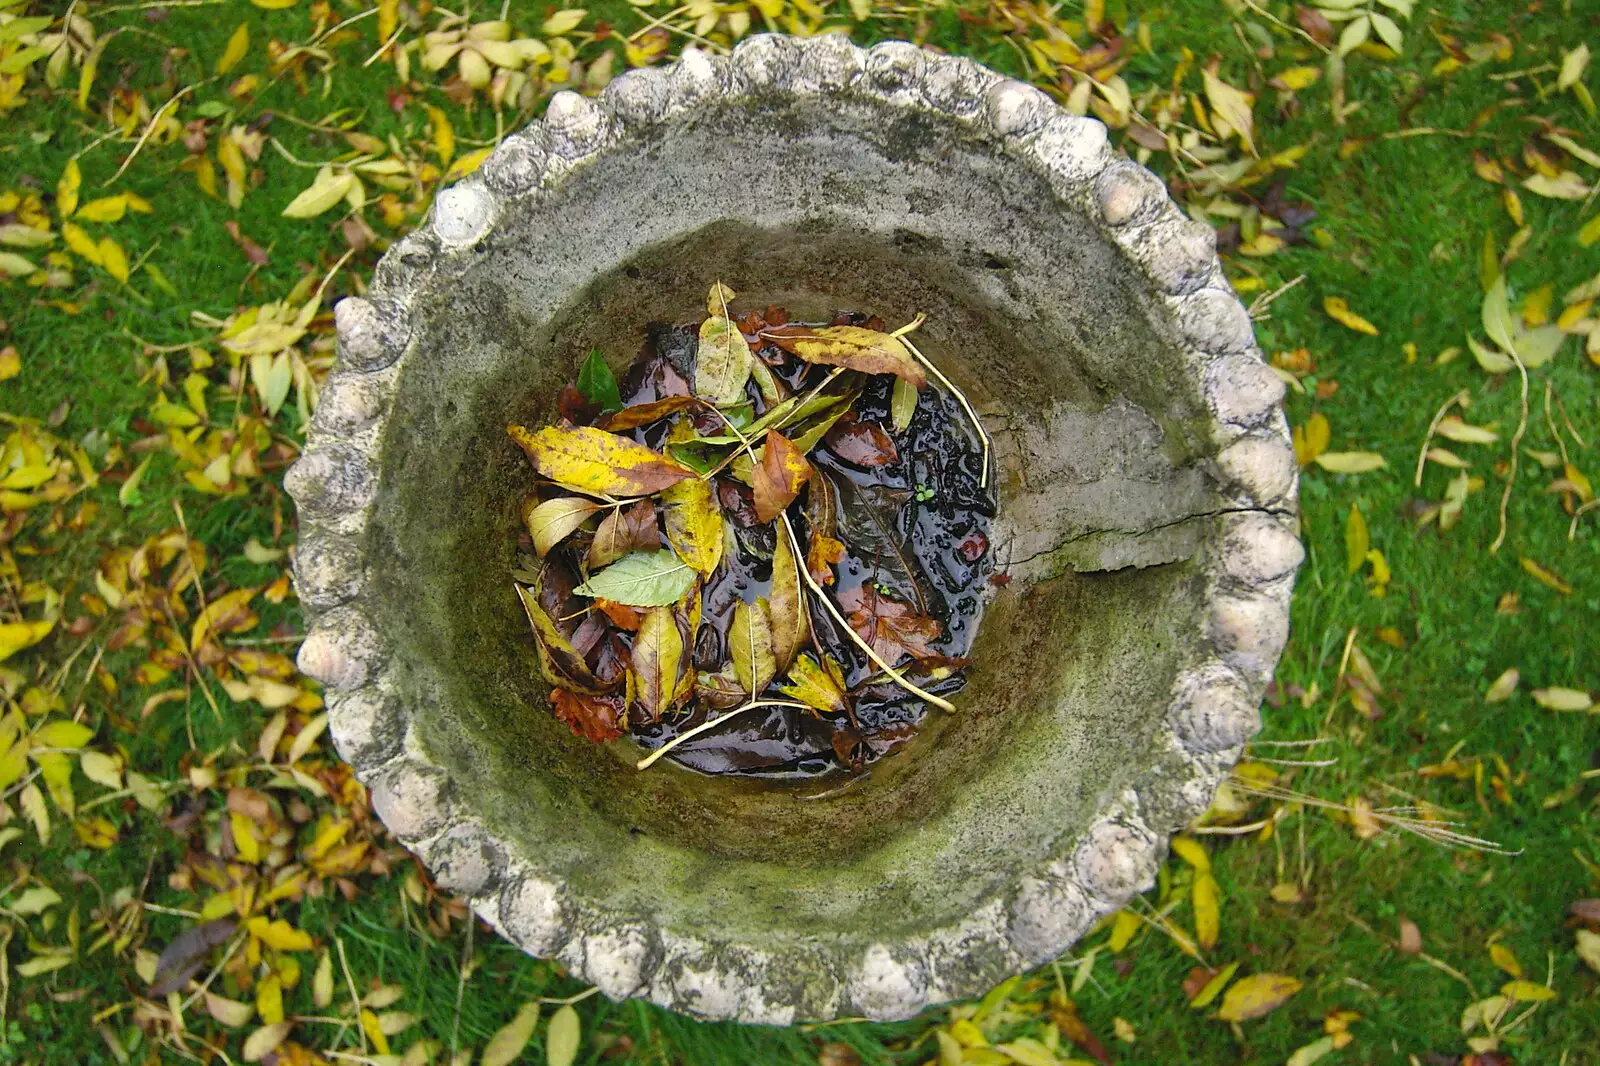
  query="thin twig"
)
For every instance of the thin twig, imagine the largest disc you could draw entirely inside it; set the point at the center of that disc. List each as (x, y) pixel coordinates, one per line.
(983, 434)
(1270, 17)
(899, 679)
(721, 719)
(570, 1000)
(1516, 445)
(1265, 300)
(1422, 453)
(149, 128)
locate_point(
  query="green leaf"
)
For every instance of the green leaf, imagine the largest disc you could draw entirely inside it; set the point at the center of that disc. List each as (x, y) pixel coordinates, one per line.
(1388, 32)
(641, 579)
(598, 384)
(561, 1042)
(903, 405)
(1497, 315)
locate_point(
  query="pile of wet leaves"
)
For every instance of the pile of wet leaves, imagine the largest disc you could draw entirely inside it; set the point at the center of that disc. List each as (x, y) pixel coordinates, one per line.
(763, 548)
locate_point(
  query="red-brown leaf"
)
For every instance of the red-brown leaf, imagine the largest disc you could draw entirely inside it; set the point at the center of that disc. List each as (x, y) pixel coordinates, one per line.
(823, 552)
(596, 718)
(892, 628)
(777, 479)
(641, 414)
(862, 443)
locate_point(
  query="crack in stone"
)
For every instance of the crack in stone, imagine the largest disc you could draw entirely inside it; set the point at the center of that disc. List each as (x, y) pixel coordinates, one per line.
(1275, 512)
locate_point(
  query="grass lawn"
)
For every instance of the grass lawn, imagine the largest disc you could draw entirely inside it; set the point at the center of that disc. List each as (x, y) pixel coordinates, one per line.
(161, 764)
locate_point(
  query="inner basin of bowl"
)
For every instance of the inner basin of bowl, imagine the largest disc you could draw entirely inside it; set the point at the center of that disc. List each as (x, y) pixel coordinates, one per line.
(1098, 440)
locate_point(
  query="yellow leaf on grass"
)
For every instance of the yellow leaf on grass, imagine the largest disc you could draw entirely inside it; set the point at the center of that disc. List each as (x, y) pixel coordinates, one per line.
(1502, 957)
(97, 832)
(1213, 988)
(1453, 428)
(244, 837)
(1572, 67)
(238, 45)
(81, 243)
(113, 258)
(1312, 1052)
(374, 1031)
(1192, 852)
(467, 164)
(1231, 110)
(1537, 572)
(1503, 686)
(1312, 440)
(563, 1037)
(228, 613)
(278, 934)
(1123, 927)
(67, 189)
(1527, 992)
(506, 1044)
(1557, 698)
(1351, 462)
(1207, 898)
(259, 1044)
(274, 5)
(1297, 78)
(328, 189)
(444, 135)
(105, 209)
(15, 636)
(1356, 540)
(563, 22)
(1340, 312)
(1566, 185)
(1256, 996)
(62, 734)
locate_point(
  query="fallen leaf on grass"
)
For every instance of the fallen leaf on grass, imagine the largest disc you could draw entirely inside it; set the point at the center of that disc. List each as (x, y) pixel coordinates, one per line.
(1257, 996)
(1562, 699)
(562, 1039)
(506, 1044)
(1537, 572)
(1410, 937)
(1339, 310)
(1231, 110)
(1588, 946)
(1564, 186)
(1527, 992)
(1351, 462)
(1451, 427)
(1503, 686)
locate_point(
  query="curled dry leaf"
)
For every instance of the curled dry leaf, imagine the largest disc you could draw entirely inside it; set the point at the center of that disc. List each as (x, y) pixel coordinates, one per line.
(561, 663)
(624, 530)
(1339, 310)
(642, 414)
(551, 522)
(593, 461)
(853, 347)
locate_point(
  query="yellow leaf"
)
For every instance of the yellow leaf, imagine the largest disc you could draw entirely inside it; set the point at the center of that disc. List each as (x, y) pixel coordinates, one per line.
(593, 461)
(1312, 1052)
(1356, 540)
(101, 768)
(81, 243)
(231, 159)
(1257, 995)
(1573, 64)
(244, 837)
(1562, 699)
(374, 1031)
(1123, 927)
(1589, 949)
(1502, 957)
(504, 1047)
(1231, 110)
(259, 1044)
(1503, 686)
(563, 1037)
(227, 613)
(1214, 987)
(105, 209)
(1297, 78)
(563, 22)
(278, 934)
(467, 164)
(444, 135)
(1192, 852)
(1313, 439)
(1207, 898)
(1527, 992)
(1564, 186)
(274, 5)
(1453, 428)
(97, 832)
(328, 189)
(1590, 232)
(1351, 462)
(113, 259)
(67, 189)
(69, 736)
(694, 523)
(238, 45)
(15, 636)
(1537, 572)
(1340, 312)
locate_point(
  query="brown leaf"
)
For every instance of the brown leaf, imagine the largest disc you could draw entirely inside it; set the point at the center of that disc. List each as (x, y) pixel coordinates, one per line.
(641, 414)
(1074, 1029)
(823, 552)
(837, 1054)
(595, 718)
(853, 347)
(182, 958)
(1410, 937)
(777, 479)
(622, 616)
(862, 443)
(1315, 23)
(593, 461)
(791, 624)
(1586, 911)
(622, 531)
(1198, 978)
(252, 251)
(892, 628)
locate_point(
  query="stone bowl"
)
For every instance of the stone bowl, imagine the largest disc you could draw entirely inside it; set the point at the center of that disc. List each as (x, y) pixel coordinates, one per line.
(1147, 523)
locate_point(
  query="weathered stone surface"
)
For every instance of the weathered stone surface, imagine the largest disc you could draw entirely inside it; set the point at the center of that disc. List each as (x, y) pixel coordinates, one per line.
(1147, 491)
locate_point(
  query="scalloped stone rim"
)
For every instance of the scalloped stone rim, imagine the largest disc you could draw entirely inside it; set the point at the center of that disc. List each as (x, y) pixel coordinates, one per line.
(1249, 562)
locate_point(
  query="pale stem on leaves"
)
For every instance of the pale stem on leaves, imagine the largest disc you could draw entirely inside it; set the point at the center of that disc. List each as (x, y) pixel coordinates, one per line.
(899, 679)
(983, 435)
(1516, 447)
(1422, 454)
(646, 762)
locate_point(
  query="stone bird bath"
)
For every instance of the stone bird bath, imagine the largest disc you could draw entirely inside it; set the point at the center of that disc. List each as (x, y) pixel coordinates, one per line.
(1147, 517)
